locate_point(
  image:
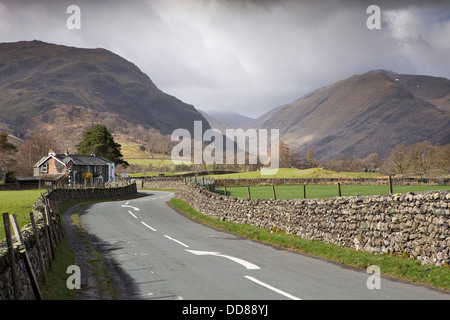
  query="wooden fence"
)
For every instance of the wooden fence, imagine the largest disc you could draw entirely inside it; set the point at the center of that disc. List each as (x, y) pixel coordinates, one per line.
(30, 252)
(53, 231)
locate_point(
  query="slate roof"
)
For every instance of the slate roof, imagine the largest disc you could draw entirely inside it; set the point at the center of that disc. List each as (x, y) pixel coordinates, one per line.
(86, 160)
(77, 160)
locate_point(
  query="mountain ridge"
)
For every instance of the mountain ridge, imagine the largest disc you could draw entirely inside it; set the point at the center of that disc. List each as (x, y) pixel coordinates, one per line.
(37, 78)
(363, 114)
(64, 90)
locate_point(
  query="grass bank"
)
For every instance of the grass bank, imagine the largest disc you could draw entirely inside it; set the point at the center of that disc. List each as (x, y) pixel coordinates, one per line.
(395, 266)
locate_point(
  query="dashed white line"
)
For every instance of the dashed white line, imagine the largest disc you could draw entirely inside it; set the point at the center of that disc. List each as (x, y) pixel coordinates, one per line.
(132, 214)
(153, 229)
(177, 241)
(247, 264)
(272, 288)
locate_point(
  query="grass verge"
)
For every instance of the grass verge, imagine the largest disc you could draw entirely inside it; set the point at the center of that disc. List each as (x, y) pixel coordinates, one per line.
(390, 265)
(55, 288)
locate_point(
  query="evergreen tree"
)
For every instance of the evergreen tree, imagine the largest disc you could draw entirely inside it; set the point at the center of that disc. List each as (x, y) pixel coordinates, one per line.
(99, 140)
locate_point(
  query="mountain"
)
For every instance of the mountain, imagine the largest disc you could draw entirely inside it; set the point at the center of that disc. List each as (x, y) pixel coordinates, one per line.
(232, 119)
(215, 123)
(64, 90)
(363, 114)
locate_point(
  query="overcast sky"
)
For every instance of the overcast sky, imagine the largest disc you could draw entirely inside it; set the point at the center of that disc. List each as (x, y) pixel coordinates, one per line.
(245, 56)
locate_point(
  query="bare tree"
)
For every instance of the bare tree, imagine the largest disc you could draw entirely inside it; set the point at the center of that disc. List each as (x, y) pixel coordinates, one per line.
(398, 160)
(286, 155)
(422, 156)
(310, 160)
(31, 151)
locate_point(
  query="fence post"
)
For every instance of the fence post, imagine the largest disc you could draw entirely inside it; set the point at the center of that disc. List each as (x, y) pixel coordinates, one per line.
(248, 192)
(38, 246)
(391, 191)
(58, 223)
(339, 189)
(28, 265)
(52, 226)
(274, 194)
(225, 190)
(12, 262)
(49, 231)
(304, 191)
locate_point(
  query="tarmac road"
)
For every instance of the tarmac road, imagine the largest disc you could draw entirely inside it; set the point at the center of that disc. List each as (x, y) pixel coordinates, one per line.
(164, 255)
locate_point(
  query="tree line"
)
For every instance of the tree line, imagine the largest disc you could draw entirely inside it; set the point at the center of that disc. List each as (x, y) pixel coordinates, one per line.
(420, 159)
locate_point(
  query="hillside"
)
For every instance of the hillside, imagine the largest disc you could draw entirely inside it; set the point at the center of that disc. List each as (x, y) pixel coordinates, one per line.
(365, 113)
(63, 90)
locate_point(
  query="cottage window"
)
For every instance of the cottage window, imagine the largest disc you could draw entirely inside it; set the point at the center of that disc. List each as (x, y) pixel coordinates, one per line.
(45, 167)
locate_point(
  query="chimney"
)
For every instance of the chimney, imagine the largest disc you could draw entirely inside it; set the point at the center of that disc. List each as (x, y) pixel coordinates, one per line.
(66, 152)
(93, 153)
(51, 152)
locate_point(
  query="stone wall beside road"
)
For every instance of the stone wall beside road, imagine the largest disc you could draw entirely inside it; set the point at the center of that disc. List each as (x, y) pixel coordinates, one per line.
(416, 225)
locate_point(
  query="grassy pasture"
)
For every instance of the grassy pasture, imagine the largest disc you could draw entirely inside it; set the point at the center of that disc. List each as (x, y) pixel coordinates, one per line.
(290, 192)
(286, 173)
(19, 203)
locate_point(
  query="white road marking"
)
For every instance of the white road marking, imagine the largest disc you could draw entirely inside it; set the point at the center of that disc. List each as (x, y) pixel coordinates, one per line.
(246, 264)
(177, 241)
(148, 226)
(132, 214)
(128, 206)
(272, 288)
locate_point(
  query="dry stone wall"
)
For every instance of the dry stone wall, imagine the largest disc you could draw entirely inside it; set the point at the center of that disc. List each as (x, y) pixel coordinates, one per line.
(412, 224)
(56, 197)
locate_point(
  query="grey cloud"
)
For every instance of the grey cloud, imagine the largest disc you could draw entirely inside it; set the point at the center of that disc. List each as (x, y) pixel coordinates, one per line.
(245, 55)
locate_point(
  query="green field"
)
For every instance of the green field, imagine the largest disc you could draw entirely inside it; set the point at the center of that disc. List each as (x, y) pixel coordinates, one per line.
(156, 163)
(134, 155)
(19, 203)
(132, 150)
(292, 173)
(291, 192)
